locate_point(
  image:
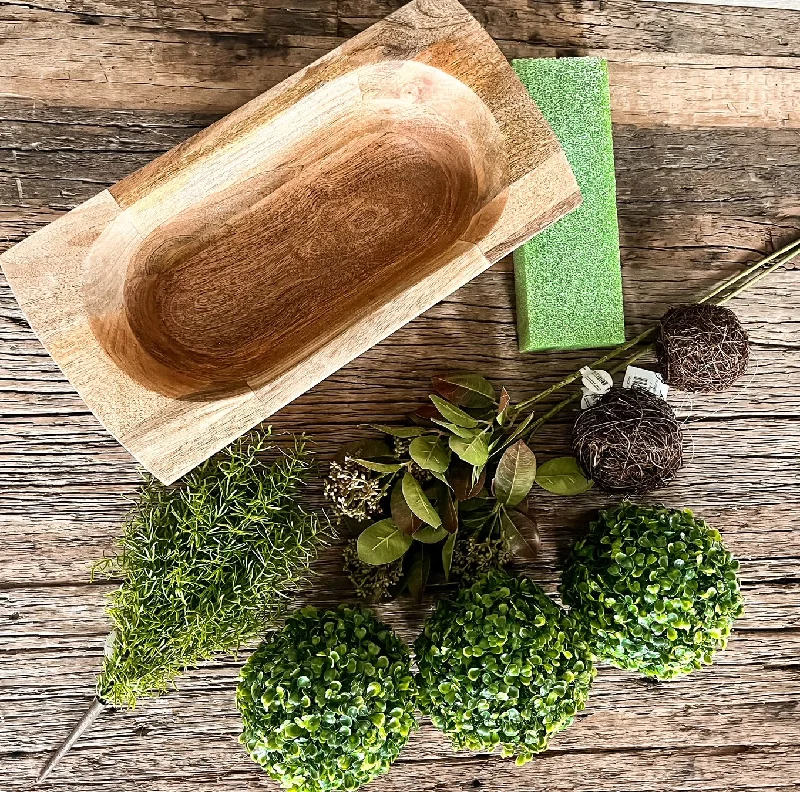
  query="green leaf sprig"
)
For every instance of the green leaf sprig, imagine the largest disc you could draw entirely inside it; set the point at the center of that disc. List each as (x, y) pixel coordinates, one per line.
(450, 491)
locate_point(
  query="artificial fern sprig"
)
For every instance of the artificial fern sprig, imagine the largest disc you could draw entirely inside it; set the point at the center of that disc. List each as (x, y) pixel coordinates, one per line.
(207, 565)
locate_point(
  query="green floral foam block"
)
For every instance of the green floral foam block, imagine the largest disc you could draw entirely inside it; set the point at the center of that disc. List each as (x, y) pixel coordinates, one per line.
(568, 278)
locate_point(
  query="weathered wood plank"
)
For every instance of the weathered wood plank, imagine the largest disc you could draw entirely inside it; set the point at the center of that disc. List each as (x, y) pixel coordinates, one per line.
(789, 5)
(631, 715)
(48, 552)
(660, 171)
(210, 757)
(55, 467)
(56, 617)
(58, 464)
(559, 24)
(690, 92)
(669, 65)
(92, 89)
(569, 27)
(69, 668)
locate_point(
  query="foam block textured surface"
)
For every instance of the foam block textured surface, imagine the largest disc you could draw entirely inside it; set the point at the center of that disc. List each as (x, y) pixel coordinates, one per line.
(568, 278)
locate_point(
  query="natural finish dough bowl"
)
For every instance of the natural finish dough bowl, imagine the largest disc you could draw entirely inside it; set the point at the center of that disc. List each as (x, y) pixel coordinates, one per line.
(367, 182)
(198, 296)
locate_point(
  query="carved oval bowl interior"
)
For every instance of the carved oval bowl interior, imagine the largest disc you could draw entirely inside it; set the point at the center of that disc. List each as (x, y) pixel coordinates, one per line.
(258, 252)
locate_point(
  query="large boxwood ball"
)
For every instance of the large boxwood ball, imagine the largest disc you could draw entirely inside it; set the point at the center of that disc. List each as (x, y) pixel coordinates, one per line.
(327, 702)
(654, 588)
(501, 666)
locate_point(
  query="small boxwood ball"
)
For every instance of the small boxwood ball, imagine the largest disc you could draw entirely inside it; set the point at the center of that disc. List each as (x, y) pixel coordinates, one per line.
(654, 589)
(501, 666)
(327, 702)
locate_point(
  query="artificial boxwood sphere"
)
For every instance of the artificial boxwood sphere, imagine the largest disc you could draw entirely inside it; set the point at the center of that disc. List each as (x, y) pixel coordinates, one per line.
(501, 666)
(327, 702)
(654, 589)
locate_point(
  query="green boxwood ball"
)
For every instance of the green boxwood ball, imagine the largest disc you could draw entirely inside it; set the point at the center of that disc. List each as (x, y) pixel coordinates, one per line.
(328, 701)
(500, 666)
(654, 588)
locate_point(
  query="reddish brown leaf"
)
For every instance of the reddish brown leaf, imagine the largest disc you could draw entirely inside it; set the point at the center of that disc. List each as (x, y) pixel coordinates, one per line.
(459, 474)
(478, 486)
(427, 412)
(521, 533)
(466, 390)
(448, 510)
(505, 400)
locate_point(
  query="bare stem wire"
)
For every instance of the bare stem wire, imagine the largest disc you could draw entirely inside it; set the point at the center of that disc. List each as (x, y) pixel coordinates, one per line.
(95, 708)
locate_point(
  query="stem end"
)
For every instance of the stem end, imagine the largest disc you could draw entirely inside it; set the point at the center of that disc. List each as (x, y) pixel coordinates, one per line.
(89, 717)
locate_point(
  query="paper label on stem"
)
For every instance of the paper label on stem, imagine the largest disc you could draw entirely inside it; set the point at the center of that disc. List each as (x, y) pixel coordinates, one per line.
(645, 380)
(596, 382)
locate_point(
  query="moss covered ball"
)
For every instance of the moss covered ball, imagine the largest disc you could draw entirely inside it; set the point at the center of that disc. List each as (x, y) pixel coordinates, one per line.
(500, 666)
(328, 701)
(654, 588)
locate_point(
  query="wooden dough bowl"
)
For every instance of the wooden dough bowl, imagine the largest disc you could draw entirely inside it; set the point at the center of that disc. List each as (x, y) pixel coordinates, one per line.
(270, 247)
(196, 297)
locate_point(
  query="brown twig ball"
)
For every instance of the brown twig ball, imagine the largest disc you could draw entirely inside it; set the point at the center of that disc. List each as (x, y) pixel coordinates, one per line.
(629, 442)
(702, 348)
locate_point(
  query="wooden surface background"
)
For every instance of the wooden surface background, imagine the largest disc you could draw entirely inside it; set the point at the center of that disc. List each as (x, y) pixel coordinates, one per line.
(707, 124)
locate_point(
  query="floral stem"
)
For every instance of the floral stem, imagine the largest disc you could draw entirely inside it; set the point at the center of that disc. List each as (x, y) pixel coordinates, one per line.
(757, 276)
(790, 250)
(743, 281)
(556, 409)
(575, 375)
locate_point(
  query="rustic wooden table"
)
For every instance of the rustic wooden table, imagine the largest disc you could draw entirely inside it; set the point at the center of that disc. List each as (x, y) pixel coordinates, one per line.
(706, 103)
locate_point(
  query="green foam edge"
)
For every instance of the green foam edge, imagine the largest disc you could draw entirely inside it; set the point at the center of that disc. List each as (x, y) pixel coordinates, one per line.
(568, 277)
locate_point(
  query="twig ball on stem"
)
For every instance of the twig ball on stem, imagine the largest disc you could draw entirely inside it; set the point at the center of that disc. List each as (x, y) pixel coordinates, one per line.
(702, 348)
(629, 442)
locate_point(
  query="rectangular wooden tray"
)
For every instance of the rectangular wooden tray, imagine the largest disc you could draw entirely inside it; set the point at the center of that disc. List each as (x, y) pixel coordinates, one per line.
(199, 295)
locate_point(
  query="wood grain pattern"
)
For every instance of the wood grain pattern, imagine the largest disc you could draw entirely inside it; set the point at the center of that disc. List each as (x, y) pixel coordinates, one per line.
(789, 5)
(206, 58)
(269, 252)
(110, 84)
(212, 287)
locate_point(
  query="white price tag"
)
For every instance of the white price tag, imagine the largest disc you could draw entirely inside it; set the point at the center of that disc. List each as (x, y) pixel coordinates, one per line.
(589, 399)
(596, 383)
(643, 379)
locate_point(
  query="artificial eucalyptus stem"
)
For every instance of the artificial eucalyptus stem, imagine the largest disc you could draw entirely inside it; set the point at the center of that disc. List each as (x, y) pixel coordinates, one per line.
(751, 275)
(90, 716)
